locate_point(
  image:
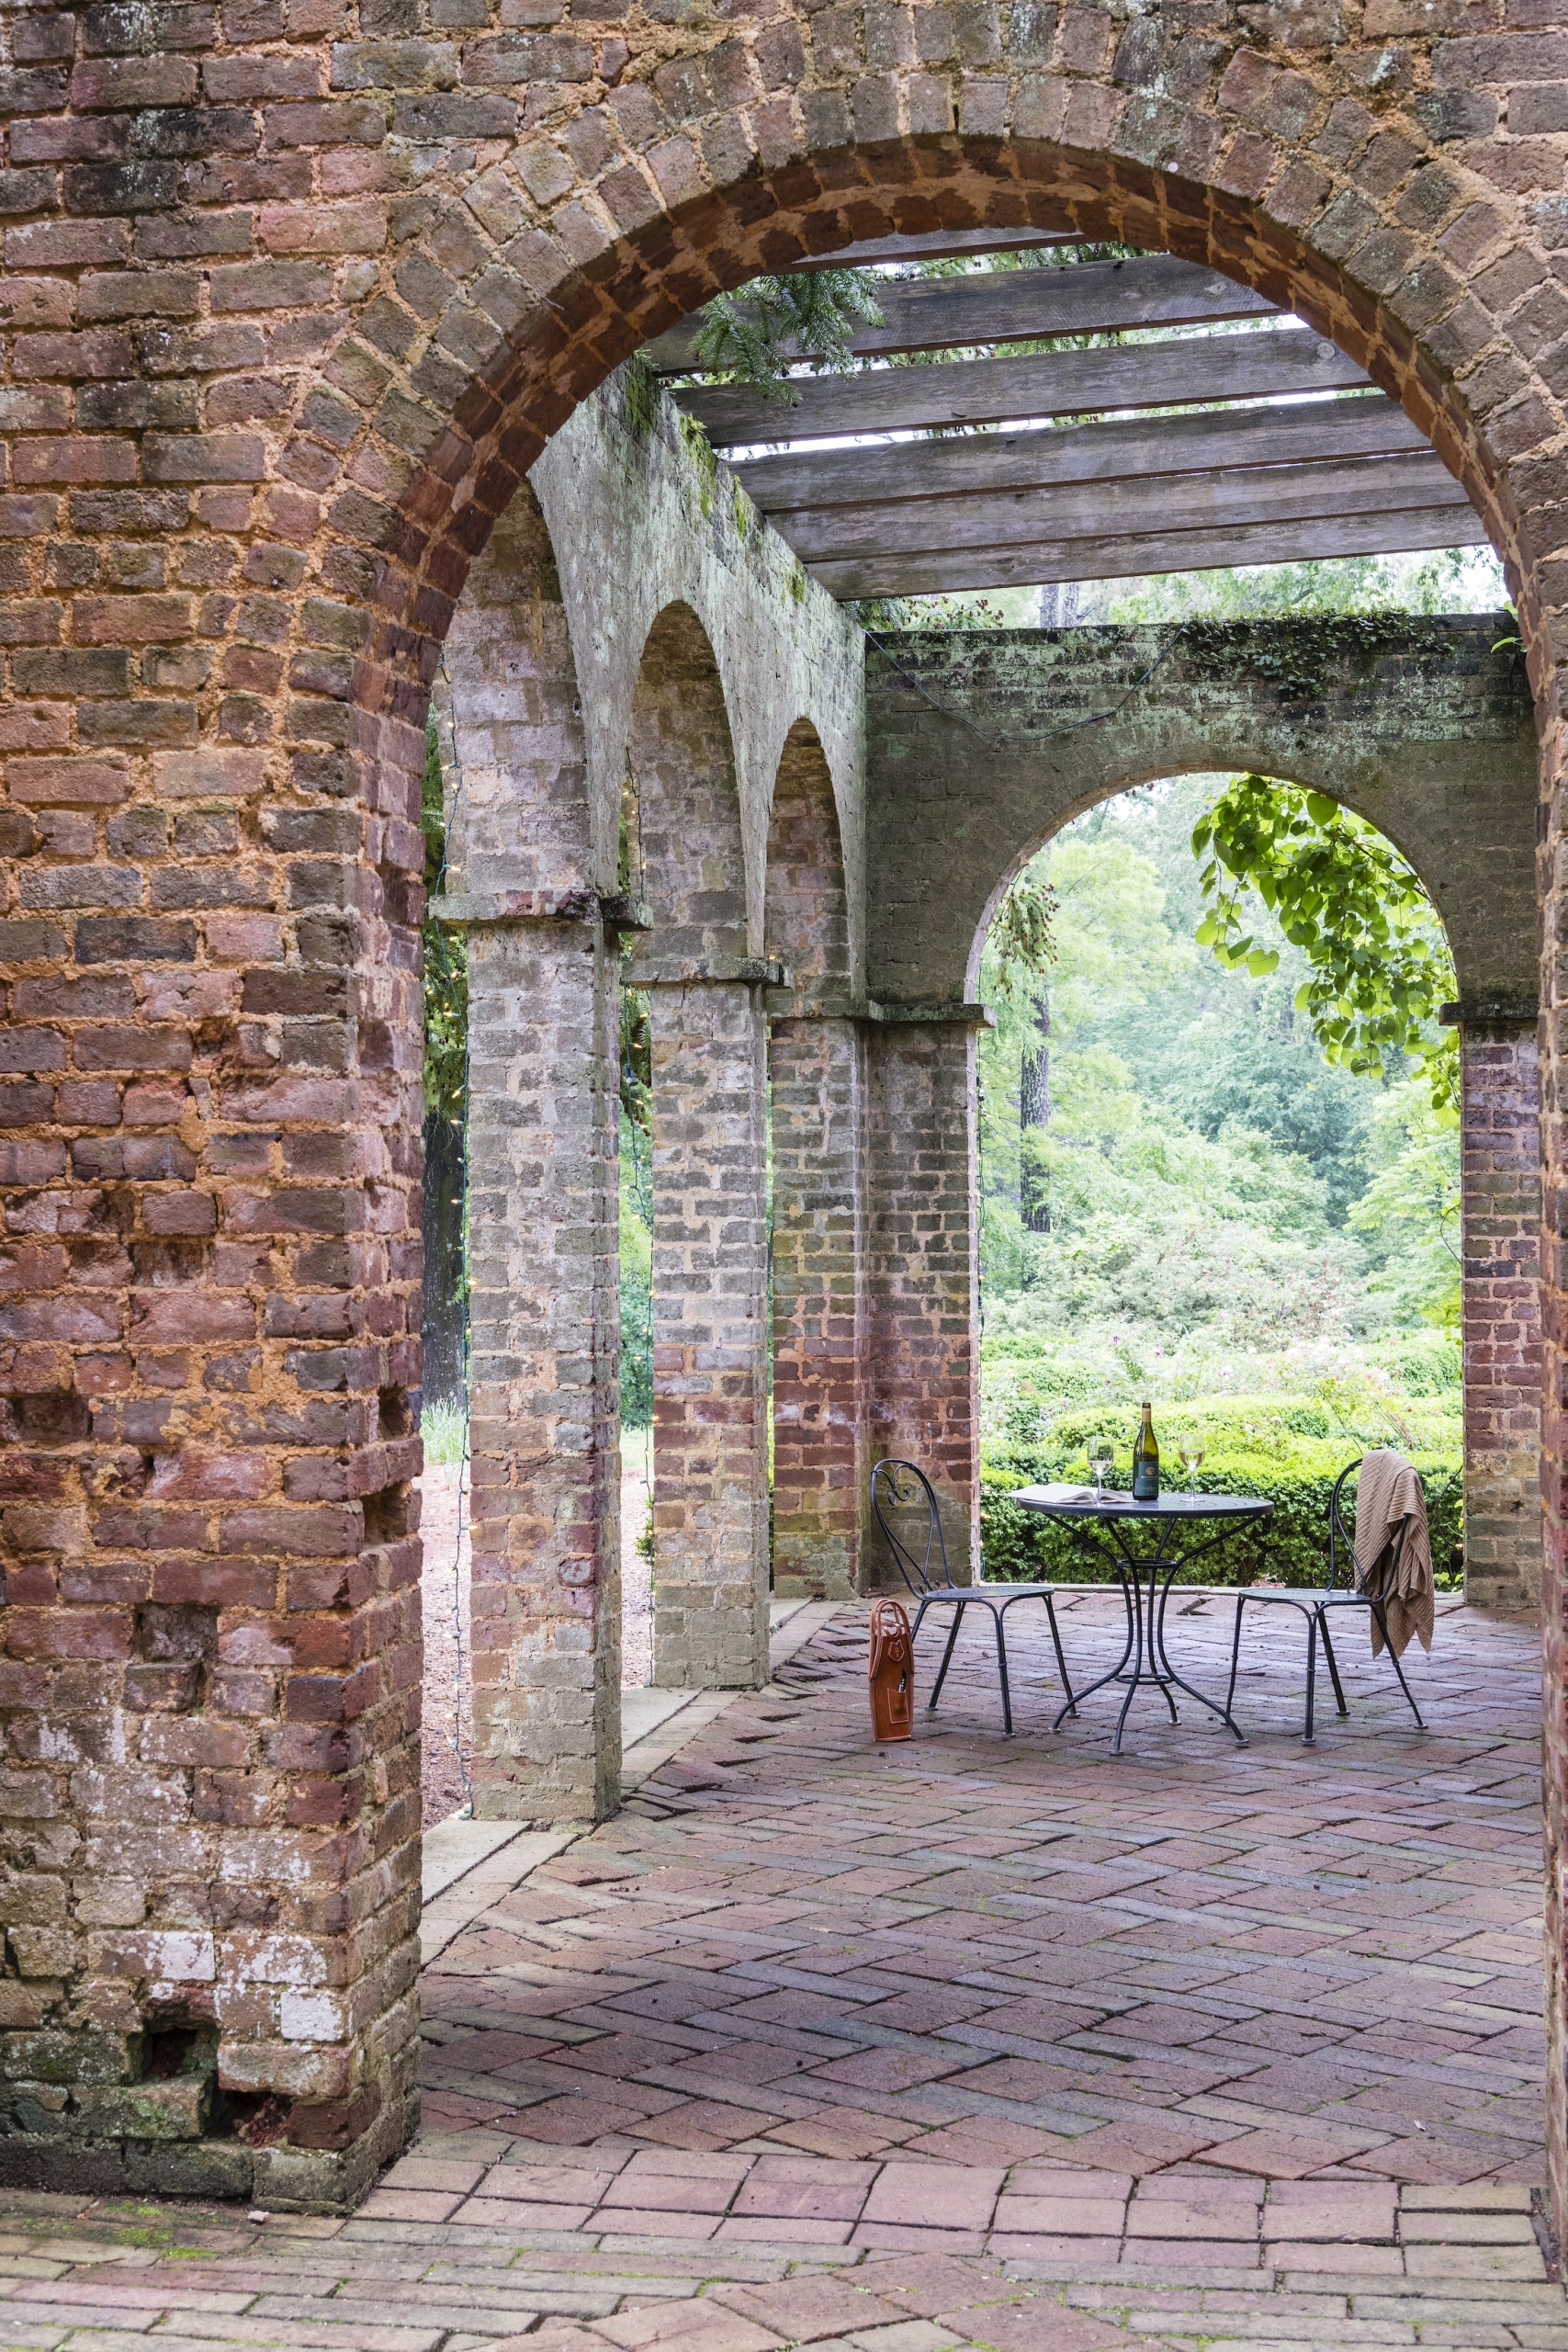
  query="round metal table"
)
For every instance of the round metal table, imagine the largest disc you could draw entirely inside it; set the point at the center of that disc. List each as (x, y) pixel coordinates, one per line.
(1144, 1659)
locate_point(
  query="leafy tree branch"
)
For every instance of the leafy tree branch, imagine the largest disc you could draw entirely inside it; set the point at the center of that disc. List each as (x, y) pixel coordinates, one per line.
(755, 335)
(1380, 963)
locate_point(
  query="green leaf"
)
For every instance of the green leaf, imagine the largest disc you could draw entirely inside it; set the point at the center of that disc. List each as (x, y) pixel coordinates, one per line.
(1320, 808)
(1262, 961)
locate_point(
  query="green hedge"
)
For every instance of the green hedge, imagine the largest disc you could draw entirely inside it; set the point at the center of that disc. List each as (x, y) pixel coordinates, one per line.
(1295, 1471)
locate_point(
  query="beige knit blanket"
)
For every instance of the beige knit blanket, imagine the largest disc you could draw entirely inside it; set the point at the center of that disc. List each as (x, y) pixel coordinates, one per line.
(1390, 1492)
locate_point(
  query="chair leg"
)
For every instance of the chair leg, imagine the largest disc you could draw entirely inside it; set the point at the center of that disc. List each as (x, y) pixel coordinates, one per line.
(1235, 1650)
(1002, 1670)
(1309, 1736)
(1332, 1664)
(1061, 1661)
(1377, 1607)
(946, 1657)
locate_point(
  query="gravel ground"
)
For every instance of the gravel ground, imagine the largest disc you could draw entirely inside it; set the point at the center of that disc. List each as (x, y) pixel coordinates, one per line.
(446, 1580)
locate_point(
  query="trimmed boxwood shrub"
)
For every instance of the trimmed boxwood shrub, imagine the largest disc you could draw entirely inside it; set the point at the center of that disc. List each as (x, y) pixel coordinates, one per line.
(1266, 1452)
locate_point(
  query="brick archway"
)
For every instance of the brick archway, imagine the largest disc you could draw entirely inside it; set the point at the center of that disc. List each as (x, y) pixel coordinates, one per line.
(271, 393)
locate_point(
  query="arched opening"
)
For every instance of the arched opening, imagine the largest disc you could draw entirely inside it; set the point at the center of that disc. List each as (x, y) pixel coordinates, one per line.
(816, 1084)
(539, 1106)
(425, 430)
(709, 1206)
(1185, 1199)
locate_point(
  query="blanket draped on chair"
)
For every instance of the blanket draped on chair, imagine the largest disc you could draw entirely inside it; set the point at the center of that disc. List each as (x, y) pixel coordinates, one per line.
(1390, 1491)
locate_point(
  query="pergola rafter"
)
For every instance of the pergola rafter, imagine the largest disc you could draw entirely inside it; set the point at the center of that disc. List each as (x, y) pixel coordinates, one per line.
(961, 463)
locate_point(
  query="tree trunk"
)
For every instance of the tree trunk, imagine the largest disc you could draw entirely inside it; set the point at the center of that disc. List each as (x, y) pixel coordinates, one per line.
(441, 1222)
(1035, 1111)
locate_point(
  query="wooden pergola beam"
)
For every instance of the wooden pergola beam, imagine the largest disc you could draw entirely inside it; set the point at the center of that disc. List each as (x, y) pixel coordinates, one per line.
(1155, 506)
(1142, 555)
(936, 244)
(1022, 305)
(1361, 425)
(1273, 362)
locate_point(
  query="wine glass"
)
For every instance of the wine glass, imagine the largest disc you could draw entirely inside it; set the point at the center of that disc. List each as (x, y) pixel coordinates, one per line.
(1191, 1447)
(1101, 1461)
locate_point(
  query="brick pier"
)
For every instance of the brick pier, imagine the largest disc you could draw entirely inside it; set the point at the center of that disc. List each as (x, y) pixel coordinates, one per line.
(1500, 1210)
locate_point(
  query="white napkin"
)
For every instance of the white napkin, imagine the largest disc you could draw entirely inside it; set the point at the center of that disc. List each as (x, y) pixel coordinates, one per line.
(1055, 1495)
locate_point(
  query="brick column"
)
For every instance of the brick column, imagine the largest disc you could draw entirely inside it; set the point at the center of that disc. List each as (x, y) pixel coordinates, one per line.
(924, 1284)
(710, 1453)
(817, 1070)
(1501, 1208)
(544, 1369)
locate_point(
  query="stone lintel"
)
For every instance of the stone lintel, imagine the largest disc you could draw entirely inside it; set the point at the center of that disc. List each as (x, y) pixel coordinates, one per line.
(463, 910)
(682, 971)
(827, 1005)
(1511, 1014)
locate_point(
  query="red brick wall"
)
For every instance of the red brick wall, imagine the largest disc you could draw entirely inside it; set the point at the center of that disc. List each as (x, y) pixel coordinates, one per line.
(543, 1189)
(1501, 1215)
(924, 1319)
(817, 1075)
(293, 296)
(710, 1455)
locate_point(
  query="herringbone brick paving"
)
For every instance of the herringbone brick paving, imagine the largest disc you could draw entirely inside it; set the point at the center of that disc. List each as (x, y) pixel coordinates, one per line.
(967, 2044)
(1275, 1962)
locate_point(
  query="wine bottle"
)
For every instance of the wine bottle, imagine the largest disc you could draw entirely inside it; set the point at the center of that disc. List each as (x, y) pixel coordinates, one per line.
(1145, 1461)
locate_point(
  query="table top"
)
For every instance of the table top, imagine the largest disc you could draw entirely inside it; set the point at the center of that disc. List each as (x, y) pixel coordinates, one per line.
(1120, 1506)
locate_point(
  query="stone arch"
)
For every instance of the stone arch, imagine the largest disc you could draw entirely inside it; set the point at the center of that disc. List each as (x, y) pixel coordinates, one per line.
(685, 846)
(1474, 932)
(542, 1092)
(807, 922)
(508, 698)
(816, 1073)
(1358, 223)
(686, 856)
(1500, 1194)
(990, 742)
(361, 390)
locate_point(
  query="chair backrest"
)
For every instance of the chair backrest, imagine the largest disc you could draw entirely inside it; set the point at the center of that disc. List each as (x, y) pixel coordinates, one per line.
(899, 1487)
(1342, 1552)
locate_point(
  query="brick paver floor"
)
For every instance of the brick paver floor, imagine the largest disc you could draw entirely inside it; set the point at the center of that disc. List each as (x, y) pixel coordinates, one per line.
(965, 2043)
(1273, 1961)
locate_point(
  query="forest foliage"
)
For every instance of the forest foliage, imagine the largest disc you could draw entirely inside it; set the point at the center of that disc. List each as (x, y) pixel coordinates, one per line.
(1204, 1209)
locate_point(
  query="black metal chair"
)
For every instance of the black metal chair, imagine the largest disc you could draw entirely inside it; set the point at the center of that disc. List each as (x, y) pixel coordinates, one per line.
(1367, 1585)
(895, 1485)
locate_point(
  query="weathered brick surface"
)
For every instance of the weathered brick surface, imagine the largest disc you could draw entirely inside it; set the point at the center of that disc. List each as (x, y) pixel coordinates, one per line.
(295, 299)
(817, 1086)
(923, 1287)
(979, 749)
(543, 1053)
(1418, 725)
(686, 854)
(1501, 1240)
(710, 1382)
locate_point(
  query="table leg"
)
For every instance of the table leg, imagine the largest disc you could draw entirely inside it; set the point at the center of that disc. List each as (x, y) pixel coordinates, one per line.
(1116, 1672)
(1149, 1638)
(1214, 1705)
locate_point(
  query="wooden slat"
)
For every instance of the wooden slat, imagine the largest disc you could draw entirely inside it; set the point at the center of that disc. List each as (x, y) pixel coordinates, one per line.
(1365, 424)
(1135, 557)
(1160, 503)
(1275, 362)
(1022, 305)
(941, 244)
